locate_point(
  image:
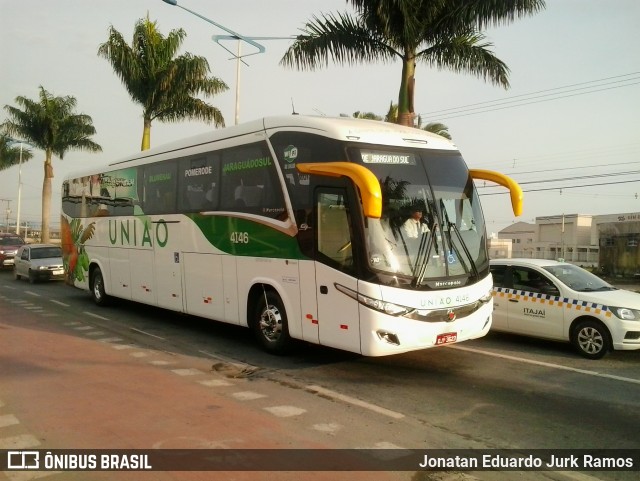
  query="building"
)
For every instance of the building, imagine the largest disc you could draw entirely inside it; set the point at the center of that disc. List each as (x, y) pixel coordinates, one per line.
(608, 242)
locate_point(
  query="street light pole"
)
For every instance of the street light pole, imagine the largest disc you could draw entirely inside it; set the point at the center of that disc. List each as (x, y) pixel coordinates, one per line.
(19, 191)
(238, 56)
(22, 143)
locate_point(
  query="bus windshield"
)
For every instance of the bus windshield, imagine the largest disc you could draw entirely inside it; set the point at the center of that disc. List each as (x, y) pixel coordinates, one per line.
(432, 225)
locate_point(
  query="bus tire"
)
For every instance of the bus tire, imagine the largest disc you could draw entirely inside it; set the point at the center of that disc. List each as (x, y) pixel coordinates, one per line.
(96, 285)
(270, 323)
(591, 339)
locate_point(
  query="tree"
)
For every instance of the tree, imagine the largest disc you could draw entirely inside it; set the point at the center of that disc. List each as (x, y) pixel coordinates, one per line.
(165, 85)
(438, 128)
(366, 115)
(445, 34)
(10, 153)
(392, 115)
(50, 124)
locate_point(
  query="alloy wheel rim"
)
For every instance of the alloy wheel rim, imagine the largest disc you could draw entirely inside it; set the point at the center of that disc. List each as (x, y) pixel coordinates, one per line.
(271, 323)
(590, 340)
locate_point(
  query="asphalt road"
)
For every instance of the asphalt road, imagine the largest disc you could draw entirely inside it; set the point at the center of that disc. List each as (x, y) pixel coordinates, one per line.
(131, 376)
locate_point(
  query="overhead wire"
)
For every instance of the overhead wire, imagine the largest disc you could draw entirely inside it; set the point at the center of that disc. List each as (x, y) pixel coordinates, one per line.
(532, 97)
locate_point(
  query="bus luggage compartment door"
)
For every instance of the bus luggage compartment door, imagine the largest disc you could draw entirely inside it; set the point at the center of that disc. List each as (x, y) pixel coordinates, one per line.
(203, 286)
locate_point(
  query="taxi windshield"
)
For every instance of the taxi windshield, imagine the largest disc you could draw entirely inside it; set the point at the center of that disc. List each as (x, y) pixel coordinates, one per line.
(579, 279)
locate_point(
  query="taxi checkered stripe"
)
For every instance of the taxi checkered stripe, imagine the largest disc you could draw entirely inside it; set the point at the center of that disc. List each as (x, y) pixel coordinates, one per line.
(557, 301)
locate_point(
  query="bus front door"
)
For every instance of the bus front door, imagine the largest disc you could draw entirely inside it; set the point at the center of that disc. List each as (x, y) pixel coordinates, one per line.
(338, 319)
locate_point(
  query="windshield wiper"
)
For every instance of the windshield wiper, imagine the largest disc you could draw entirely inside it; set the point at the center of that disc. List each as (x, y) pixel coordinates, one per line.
(603, 288)
(452, 226)
(424, 251)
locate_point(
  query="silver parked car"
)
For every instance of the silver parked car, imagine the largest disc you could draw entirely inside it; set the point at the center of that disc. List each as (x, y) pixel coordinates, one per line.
(38, 262)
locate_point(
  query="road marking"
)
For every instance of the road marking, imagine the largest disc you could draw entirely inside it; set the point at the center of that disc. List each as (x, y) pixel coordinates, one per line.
(356, 402)
(215, 383)
(60, 303)
(328, 428)
(31, 293)
(161, 363)
(546, 364)
(96, 316)
(247, 395)
(187, 372)
(110, 339)
(83, 328)
(138, 354)
(94, 333)
(285, 411)
(8, 420)
(147, 333)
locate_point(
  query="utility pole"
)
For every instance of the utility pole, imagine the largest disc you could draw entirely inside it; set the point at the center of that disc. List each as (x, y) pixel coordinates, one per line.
(8, 211)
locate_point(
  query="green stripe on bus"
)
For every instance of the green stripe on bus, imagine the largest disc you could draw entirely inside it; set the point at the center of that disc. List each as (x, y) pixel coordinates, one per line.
(244, 237)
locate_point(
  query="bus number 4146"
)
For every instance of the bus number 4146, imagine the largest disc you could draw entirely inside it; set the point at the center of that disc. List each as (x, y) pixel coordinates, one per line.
(240, 237)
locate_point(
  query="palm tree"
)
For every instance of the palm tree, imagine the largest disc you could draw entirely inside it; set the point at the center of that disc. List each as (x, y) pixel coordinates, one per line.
(438, 128)
(445, 34)
(10, 154)
(50, 124)
(165, 85)
(366, 115)
(392, 113)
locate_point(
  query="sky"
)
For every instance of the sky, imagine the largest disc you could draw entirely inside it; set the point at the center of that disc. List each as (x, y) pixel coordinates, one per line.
(567, 128)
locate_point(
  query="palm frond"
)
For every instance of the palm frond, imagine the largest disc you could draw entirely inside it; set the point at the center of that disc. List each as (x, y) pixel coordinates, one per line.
(339, 37)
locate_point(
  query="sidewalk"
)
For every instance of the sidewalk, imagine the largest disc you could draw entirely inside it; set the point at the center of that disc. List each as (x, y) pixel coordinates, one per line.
(62, 391)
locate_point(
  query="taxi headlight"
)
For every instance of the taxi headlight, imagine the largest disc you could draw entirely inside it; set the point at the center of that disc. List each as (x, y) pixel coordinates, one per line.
(625, 313)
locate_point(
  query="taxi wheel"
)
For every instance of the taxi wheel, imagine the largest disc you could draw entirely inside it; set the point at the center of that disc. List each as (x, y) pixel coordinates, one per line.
(591, 339)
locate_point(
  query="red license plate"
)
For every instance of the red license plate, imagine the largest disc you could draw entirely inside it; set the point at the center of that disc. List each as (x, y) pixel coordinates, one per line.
(446, 338)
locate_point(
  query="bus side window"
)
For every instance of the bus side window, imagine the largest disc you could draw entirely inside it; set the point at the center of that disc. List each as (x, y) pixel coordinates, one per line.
(249, 181)
(197, 184)
(160, 188)
(334, 235)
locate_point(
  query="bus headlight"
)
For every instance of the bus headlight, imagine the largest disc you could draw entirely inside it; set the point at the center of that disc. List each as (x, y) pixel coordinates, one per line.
(377, 304)
(625, 313)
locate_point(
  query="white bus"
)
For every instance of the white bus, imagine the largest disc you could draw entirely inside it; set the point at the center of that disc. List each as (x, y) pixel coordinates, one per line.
(294, 227)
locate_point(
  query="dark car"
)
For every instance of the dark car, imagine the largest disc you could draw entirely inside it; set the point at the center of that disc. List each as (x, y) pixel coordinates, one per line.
(9, 245)
(39, 262)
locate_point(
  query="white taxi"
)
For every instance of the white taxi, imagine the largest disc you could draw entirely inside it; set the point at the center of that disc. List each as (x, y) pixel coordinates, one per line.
(563, 302)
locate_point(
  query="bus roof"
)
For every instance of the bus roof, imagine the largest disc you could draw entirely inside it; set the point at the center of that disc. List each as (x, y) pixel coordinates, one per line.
(341, 128)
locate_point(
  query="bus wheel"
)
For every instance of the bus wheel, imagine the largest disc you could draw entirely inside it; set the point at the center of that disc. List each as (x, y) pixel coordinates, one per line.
(591, 339)
(270, 323)
(97, 288)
